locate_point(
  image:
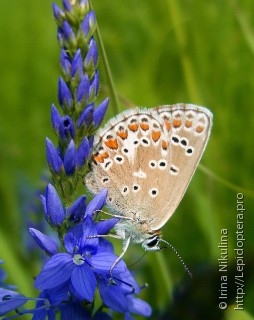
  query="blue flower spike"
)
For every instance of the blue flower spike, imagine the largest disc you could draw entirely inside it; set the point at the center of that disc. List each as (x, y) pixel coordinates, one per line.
(80, 261)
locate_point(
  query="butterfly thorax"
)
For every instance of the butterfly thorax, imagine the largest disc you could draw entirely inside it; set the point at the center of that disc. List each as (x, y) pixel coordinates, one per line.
(139, 232)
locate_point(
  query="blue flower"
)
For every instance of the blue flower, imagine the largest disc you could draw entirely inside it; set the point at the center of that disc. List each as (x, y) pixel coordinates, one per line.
(83, 90)
(10, 300)
(47, 244)
(64, 95)
(71, 160)
(77, 64)
(99, 112)
(54, 160)
(120, 296)
(86, 117)
(92, 55)
(52, 206)
(94, 86)
(89, 24)
(80, 264)
(63, 126)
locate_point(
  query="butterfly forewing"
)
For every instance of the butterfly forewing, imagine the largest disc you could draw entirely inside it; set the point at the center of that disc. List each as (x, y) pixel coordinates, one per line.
(146, 159)
(188, 128)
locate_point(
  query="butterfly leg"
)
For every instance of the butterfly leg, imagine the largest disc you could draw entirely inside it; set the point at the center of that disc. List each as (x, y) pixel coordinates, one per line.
(114, 215)
(115, 236)
(125, 247)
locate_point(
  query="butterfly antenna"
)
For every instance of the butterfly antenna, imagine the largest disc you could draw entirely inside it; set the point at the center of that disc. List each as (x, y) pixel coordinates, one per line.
(136, 262)
(178, 255)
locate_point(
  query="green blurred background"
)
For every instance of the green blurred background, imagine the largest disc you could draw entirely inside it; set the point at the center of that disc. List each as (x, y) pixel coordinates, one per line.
(160, 52)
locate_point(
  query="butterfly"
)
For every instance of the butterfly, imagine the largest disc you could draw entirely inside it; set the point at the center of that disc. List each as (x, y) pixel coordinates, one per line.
(146, 159)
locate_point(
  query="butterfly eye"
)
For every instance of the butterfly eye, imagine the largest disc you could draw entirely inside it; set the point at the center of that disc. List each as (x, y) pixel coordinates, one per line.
(152, 243)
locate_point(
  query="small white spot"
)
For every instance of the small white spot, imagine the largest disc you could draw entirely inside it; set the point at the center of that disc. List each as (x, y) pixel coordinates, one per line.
(119, 159)
(145, 142)
(125, 190)
(162, 164)
(153, 164)
(153, 192)
(136, 187)
(140, 174)
(174, 170)
(189, 151)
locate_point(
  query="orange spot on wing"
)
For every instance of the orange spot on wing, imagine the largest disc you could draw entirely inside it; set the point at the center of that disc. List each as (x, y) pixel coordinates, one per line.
(133, 127)
(111, 144)
(98, 158)
(104, 155)
(164, 144)
(199, 129)
(122, 134)
(177, 123)
(144, 126)
(156, 135)
(188, 123)
(167, 125)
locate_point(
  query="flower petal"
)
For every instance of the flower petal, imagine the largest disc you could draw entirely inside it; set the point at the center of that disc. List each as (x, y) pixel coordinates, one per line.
(139, 306)
(77, 64)
(70, 159)
(55, 117)
(105, 226)
(112, 296)
(44, 241)
(75, 311)
(78, 209)
(103, 261)
(64, 94)
(83, 152)
(55, 272)
(83, 89)
(84, 281)
(99, 112)
(10, 300)
(89, 23)
(97, 203)
(53, 158)
(89, 230)
(86, 116)
(54, 206)
(76, 240)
